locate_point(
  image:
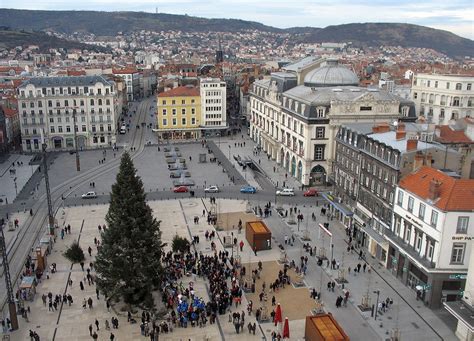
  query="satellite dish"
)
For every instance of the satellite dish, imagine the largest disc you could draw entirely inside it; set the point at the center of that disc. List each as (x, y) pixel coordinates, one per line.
(395, 123)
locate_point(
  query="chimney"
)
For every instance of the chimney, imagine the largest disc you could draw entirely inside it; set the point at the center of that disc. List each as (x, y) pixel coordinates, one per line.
(429, 159)
(401, 126)
(400, 135)
(435, 189)
(412, 144)
(418, 161)
(384, 127)
(375, 129)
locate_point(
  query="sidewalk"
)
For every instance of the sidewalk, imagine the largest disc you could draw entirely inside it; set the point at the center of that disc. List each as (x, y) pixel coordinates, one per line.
(277, 177)
(412, 317)
(12, 176)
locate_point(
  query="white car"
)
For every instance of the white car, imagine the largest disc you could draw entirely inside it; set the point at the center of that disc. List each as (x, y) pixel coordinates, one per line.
(286, 192)
(211, 189)
(89, 195)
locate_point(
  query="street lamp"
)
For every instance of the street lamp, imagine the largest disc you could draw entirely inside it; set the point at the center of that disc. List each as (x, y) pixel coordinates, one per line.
(229, 152)
(16, 187)
(377, 305)
(332, 252)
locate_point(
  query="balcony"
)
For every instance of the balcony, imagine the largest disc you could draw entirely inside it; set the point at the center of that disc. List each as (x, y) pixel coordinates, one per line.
(404, 247)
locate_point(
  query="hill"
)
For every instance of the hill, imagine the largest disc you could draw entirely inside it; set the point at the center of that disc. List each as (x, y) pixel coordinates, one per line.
(394, 34)
(12, 38)
(110, 23)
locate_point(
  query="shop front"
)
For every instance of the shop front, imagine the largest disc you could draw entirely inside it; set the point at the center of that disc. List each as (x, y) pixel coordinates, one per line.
(338, 210)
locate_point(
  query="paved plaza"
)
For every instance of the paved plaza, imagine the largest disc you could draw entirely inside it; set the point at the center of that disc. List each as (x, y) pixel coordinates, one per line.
(72, 322)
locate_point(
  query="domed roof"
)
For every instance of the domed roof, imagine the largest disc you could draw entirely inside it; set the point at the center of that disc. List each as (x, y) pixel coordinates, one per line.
(332, 74)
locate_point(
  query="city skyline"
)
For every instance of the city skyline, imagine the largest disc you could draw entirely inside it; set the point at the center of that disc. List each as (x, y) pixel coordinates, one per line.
(454, 16)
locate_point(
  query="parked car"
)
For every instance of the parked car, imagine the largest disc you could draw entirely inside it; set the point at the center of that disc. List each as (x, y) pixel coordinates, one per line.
(180, 189)
(288, 192)
(89, 195)
(211, 189)
(248, 189)
(311, 192)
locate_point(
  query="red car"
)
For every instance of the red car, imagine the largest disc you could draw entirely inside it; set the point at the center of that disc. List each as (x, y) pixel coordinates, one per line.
(310, 193)
(180, 189)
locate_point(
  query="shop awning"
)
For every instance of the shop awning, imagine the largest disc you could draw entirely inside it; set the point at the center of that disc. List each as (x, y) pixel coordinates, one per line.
(338, 206)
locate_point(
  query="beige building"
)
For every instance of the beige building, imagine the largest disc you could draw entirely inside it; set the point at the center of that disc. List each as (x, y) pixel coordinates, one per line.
(48, 105)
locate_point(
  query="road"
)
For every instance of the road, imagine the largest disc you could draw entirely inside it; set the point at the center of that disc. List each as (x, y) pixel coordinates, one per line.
(36, 226)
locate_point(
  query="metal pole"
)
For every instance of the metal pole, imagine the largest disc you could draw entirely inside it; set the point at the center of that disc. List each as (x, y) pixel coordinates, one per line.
(377, 305)
(8, 282)
(48, 191)
(332, 251)
(78, 162)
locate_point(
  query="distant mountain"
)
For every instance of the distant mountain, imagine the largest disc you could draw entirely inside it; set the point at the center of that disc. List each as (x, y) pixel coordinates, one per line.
(393, 34)
(12, 38)
(110, 23)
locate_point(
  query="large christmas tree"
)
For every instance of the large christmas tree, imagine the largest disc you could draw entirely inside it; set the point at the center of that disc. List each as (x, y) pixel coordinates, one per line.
(129, 261)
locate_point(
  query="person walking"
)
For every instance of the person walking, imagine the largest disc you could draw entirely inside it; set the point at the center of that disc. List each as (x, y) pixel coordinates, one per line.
(97, 324)
(90, 329)
(364, 266)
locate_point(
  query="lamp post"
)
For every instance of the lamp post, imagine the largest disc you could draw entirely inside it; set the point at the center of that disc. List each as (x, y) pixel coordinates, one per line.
(205, 188)
(377, 305)
(332, 252)
(78, 162)
(229, 152)
(16, 187)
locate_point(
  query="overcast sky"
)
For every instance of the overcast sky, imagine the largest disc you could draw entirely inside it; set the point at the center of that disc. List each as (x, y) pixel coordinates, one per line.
(452, 15)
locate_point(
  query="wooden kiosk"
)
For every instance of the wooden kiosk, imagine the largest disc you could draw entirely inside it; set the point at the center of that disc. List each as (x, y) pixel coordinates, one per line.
(258, 235)
(324, 327)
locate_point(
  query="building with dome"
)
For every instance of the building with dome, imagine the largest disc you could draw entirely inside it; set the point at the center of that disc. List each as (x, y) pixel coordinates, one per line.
(296, 113)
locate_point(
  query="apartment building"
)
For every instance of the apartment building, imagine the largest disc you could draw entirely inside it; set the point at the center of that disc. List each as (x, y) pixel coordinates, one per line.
(213, 104)
(440, 98)
(132, 78)
(295, 118)
(179, 113)
(370, 160)
(431, 235)
(48, 107)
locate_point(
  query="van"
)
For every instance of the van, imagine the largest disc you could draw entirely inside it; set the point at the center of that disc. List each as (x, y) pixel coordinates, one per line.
(123, 129)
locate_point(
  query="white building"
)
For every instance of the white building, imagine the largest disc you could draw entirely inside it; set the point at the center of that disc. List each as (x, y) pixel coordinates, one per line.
(213, 103)
(47, 107)
(440, 98)
(295, 118)
(431, 234)
(131, 76)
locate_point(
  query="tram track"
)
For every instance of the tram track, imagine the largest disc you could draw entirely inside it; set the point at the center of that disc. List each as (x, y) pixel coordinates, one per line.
(31, 232)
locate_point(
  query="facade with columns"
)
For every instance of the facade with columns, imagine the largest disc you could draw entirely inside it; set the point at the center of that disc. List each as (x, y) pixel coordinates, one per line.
(441, 98)
(296, 124)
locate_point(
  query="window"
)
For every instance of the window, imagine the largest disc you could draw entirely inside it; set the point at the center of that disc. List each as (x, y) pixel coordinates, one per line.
(434, 218)
(164, 102)
(174, 111)
(320, 132)
(421, 211)
(68, 129)
(463, 223)
(183, 111)
(183, 101)
(415, 95)
(174, 121)
(408, 234)
(410, 204)
(319, 152)
(436, 84)
(165, 122)
(52, 129)
(400, 198)
(458, 86)
(83, 128)
(173, 102)
(457, 255)
(320, 112)
(193, 111)
(447, 85)
(418, 241)
(456, 102)
(60, 129)
(164, 112)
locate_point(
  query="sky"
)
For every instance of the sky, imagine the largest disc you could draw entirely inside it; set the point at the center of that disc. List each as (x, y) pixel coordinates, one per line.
(456, 16)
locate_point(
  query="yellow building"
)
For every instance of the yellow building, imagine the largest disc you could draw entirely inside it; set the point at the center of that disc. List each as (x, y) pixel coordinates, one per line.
(179, 113)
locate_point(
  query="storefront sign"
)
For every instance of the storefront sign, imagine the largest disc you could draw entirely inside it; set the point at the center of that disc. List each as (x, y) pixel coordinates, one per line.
(457, 276)
(462, 238)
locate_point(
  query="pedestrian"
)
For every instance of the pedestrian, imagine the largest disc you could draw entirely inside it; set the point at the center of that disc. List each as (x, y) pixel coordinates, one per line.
(97, 324)
(90, 329)
(89, 249)
(364, 266)
(112, 337)
(358, 267)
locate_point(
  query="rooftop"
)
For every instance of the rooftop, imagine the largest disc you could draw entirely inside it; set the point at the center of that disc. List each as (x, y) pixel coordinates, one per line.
(66, 81)
(181, 91)
(445, 134)
(455, 194)
(300, 64)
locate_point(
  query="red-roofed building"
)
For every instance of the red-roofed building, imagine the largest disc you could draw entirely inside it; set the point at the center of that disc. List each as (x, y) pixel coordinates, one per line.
(431, 234)
(131, 76)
